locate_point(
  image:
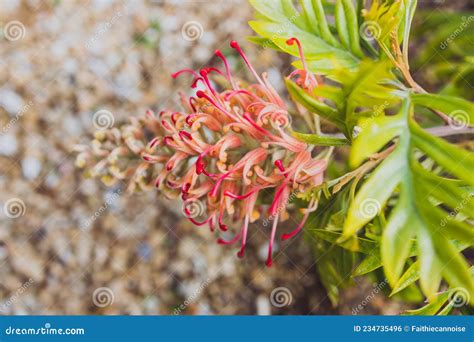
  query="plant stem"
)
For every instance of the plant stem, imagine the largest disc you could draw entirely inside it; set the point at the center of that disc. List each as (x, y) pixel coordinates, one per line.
(439, 131)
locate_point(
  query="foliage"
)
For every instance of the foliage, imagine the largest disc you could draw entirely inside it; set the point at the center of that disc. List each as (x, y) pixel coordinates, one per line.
(407, 204)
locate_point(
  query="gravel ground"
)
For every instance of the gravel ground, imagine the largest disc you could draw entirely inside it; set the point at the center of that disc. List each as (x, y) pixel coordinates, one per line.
(70, 245)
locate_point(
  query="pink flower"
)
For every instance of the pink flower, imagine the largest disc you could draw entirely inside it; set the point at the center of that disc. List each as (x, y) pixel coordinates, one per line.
(226, 149)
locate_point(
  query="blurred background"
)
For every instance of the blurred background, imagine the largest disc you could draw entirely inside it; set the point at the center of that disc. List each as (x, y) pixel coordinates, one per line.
(70, 245)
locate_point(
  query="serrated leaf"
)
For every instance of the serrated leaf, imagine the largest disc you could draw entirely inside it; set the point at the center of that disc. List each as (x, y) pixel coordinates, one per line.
(412, 215)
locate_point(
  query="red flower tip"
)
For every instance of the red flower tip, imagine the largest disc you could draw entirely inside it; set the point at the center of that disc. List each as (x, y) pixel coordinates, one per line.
(186, 135)
(279, 164)
(186, 187)
(154, 141)
(218, 53)
(221, 241)
(234, 45)
(292, 40)
(269, 262)
(149, 113)
(189, 120)
(240, 253)
(203, 72)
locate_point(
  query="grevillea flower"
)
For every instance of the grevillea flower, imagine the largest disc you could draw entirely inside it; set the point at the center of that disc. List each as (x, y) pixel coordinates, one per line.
(229, 150)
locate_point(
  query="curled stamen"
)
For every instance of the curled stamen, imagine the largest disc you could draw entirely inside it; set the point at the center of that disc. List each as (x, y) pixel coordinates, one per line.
(238, 197)
(154, 142)
(303, 61)
(185, 135)
(176, 74)
(236, 238)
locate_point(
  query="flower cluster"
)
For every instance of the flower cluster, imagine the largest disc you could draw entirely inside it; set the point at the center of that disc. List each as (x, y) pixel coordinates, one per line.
(230, 148)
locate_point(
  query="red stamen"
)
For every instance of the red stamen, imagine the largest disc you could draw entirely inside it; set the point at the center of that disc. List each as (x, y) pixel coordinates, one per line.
(150, 113)
(167, 138)
(236, 46)
(279, 164)
(190, 119)
(238, 197)
(202, 94)
(241, 91)
(196, 80)
(210, 69)
(176, 74)
(153, 142)
(185, 134)
(240, 253)
(269, 261)
(204, 73)
(219, 54)
(191, 99)
(222, 226)
(293, 233)
(185, 188)
(196, 222)
(166, 125)
(173, 117)
(300, 51)
(229, 242)
(247, 117)
(272, 210)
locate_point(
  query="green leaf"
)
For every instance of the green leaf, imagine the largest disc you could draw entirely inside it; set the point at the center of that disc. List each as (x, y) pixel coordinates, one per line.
(278, 20)
(365, 246)
(431, 308)
(320, 140)
(411, 275)
(413, 216)
(313, 105)
(369, 90)
(458, 108)
(369, 264)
